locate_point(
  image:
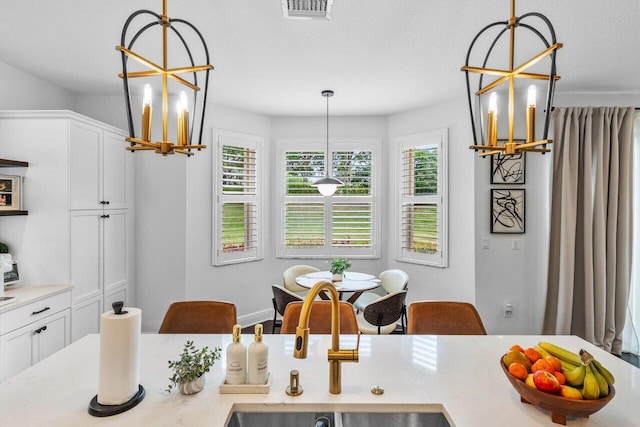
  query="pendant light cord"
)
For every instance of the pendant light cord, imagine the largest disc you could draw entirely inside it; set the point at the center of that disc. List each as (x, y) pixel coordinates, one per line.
(327, 153)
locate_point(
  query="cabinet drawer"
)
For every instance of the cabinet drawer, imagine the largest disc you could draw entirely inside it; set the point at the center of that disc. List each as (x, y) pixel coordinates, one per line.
(34, 311)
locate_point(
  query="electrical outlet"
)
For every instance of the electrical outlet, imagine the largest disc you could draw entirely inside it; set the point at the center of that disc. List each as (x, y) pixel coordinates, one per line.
(485, 243)
(508, 310)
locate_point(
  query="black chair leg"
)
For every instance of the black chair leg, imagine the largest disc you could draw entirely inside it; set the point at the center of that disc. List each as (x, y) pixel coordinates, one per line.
(275, 315)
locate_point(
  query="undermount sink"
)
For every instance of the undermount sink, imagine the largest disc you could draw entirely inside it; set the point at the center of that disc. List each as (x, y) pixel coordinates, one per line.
(324, 416)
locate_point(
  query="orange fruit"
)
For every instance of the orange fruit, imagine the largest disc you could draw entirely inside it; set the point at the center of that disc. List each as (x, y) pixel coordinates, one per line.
(555, 362)
(542, 365)
(518, 370)
(560, 376)
(532, 354)
(516, 347)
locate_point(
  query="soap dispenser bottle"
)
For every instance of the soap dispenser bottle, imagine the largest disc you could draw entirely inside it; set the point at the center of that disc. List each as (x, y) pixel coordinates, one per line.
(236, 359)
(258, 368)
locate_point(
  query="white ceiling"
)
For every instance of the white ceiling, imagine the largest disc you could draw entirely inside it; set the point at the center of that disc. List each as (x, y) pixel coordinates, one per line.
(379, 56)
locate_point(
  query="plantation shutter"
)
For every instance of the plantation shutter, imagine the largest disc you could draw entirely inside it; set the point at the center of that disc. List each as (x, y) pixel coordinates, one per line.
(318, 226)
(422, 200)
(238, 208)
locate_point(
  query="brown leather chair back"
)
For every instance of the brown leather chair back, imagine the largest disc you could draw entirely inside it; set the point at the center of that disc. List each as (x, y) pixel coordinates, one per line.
(444, 318)
(320, 318)
(199, 317)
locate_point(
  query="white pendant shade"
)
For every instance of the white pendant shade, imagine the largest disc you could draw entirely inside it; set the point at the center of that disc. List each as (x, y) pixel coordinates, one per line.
(327, 186)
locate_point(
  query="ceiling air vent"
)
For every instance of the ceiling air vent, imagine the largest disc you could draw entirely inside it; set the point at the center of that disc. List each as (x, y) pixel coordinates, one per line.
(307, 9)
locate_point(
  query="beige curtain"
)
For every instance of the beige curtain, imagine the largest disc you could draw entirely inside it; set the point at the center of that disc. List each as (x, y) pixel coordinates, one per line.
(590, 235)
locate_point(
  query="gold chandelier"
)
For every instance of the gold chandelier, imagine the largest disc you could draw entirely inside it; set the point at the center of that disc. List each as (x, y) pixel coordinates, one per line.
(189, 121)
(485, 134)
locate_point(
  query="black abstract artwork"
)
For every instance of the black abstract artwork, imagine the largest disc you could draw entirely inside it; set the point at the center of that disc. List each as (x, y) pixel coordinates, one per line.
(507, 210)
(507, 169)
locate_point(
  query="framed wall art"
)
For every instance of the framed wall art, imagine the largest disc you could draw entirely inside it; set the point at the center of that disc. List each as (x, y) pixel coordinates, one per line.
(508, 169)
(10, 192)
(507, 210)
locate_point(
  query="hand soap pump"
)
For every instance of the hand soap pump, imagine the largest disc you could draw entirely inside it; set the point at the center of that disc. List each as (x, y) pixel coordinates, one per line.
(258, 369)
(236, 359)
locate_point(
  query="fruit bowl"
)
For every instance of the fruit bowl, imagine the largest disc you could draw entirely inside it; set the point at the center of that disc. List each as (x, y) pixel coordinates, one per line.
(560, 407)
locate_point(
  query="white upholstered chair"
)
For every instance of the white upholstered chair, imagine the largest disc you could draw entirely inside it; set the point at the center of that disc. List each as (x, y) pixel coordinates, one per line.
(290, 274)
(391, 281)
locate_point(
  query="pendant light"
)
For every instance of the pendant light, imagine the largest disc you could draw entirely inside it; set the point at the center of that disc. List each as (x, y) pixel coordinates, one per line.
(485, 136)
(327, 185)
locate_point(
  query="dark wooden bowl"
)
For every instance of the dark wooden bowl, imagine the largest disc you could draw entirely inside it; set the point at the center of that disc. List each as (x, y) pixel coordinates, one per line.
(560, 407)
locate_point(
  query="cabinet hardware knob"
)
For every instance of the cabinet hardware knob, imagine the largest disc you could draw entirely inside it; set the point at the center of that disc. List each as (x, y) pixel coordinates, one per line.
(104, 216)
(42, 329)
(40, 311)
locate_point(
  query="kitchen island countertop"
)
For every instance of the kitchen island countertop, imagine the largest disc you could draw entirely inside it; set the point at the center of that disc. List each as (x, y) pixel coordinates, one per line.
(458, 375)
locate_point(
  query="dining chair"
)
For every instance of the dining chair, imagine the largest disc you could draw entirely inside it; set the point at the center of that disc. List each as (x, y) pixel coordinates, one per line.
(381, 315)
(199, 317)
(290, 274)
(281, 298)
(444, 318)
(320, 318)
(390, 281)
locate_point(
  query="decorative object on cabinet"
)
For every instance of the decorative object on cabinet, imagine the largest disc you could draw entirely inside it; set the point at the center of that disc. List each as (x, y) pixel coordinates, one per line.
(10, 188)
(507, 210)
(13, 163)
(526, 70)
(186, 125)
(327, 185)
(189, 370)
(508, 169)
(12, 276)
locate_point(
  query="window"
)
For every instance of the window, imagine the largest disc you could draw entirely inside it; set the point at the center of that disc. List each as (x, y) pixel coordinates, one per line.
(345, 224)
(238, 210)
(421, 215)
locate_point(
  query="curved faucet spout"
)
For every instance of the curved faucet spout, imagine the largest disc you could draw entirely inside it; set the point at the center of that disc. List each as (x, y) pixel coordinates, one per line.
(335, 355)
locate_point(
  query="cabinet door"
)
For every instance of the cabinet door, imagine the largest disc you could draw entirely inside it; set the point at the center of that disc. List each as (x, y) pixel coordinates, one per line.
(115, 256)
(86, 254)
(85, 318)
(17, 351)
(54, 335)
(114, 177)
(85, 166)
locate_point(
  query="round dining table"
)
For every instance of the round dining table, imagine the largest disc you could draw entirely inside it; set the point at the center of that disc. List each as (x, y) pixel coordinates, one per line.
(352, 282)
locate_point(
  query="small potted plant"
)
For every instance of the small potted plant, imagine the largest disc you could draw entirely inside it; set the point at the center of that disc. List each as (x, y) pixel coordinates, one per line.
(188, 371)
(338, 267)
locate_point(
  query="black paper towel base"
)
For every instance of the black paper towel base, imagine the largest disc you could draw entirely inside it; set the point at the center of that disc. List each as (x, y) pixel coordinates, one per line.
(98, 410)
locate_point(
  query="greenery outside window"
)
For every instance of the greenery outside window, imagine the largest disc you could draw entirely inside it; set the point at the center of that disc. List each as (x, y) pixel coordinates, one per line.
(314, 226)
(421, 215)
(238, 211)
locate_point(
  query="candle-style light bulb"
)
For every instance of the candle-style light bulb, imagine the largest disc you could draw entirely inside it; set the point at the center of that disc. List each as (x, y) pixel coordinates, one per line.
(492, 121)
(531, 114)
(183, 119)
(146, 113)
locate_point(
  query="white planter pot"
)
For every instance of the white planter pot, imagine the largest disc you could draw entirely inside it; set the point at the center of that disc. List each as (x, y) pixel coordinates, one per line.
(192, 387)
(337, 278)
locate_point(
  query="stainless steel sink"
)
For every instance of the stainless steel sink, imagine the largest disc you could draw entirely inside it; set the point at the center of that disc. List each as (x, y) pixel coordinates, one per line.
(324, 416)
(282, 419)
(404, 419)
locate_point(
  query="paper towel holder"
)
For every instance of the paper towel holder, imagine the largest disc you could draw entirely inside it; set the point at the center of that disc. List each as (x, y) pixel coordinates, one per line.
(98, 410)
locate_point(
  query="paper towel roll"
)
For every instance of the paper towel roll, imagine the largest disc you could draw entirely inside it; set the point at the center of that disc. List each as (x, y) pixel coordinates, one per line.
(119, 375)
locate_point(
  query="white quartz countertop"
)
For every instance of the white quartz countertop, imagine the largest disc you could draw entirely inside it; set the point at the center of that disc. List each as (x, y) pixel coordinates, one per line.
(458, 375)
(25, 294)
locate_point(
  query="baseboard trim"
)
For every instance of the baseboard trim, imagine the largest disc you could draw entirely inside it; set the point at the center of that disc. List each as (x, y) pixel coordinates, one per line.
(257, 317)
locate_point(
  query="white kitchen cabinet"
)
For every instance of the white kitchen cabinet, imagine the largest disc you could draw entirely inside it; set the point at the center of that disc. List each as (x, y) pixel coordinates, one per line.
(97, 168)
(99, 265)
(31, 332)
(80, 193)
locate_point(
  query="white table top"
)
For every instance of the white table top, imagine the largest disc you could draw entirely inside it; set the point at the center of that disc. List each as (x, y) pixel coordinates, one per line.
(351, 282)
(459, 375)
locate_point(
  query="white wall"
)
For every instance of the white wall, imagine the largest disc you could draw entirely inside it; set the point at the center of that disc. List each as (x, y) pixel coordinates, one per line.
(456, 282)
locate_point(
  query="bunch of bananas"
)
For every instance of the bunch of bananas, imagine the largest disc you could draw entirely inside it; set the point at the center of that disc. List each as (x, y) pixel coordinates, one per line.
(590, 377)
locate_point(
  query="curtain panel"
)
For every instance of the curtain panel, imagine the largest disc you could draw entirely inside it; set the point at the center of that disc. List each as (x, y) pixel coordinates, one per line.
(591, 224)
